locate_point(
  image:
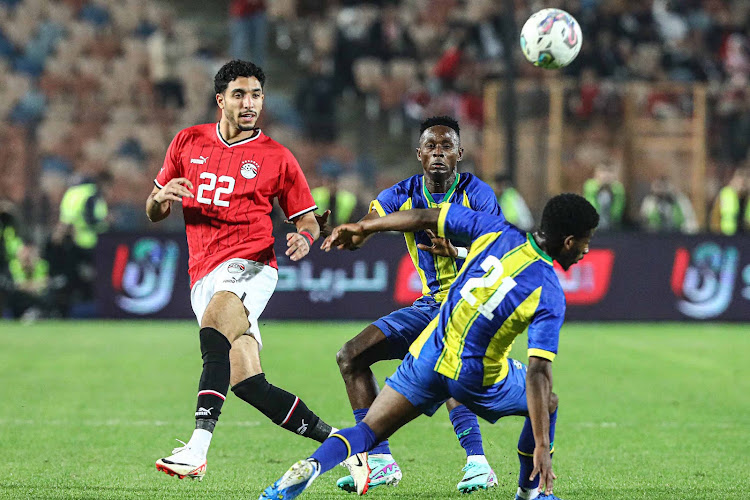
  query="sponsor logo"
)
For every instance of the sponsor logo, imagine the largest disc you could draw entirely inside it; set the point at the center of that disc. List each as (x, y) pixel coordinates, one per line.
(201, 160)
(459, 435)
(143, 275)
(203, 412)
(587, 282)
(302, 428)
(235, 268)
(408, 287)
(249, 169)
(703, 280)
(327, 284)
(230, 280)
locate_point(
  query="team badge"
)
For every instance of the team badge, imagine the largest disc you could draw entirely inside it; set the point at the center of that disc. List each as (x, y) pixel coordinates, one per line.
(249, 169)
(235, 268)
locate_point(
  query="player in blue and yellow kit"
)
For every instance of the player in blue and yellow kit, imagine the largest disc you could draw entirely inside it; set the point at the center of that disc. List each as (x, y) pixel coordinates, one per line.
(438, 262)
(507, 284)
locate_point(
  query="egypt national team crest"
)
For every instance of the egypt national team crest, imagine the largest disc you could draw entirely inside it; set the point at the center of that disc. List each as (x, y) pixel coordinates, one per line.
(235, 268)
(249, 169)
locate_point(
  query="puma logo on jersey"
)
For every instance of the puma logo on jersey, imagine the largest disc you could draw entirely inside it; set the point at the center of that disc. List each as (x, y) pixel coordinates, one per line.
(201, 160)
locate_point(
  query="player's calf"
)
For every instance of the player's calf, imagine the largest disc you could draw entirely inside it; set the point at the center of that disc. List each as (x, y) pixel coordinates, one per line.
(283, 408)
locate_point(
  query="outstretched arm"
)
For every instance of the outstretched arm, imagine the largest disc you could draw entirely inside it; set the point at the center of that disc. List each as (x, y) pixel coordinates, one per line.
(350, 236)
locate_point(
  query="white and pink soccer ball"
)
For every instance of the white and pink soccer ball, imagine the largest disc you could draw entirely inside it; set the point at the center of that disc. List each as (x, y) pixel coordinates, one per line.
(551, 38)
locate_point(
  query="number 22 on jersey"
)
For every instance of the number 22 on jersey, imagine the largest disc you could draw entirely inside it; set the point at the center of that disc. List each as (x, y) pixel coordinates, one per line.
(494, 267)
(210, 186)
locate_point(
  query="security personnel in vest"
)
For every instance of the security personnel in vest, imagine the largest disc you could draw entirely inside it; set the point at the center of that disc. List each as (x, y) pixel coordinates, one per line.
(10, 242)
(83, 216)
(512, 203)
(731, 212)
(607, 195)
(83, 211)
(329, 196)
(30, 275)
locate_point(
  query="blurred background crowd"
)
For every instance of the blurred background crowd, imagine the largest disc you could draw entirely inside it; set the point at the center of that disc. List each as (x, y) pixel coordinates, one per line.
(92, 91)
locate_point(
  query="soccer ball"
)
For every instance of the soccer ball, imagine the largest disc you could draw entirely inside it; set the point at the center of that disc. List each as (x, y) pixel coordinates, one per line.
(551, 39)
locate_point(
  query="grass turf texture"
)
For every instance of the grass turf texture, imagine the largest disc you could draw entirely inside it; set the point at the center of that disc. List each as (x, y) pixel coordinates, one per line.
(647, 411)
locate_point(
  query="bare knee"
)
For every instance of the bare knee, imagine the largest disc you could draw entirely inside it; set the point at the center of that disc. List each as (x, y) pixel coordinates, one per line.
(347, 360)
(553, 400)
(226, 313)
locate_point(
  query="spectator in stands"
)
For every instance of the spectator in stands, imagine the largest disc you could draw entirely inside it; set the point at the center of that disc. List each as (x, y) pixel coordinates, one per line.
(512, 203)
(248, 30)
(607, 194)
(666, 209)
(329, 196)
(316, 103)
(731, 211)
(29, 296)
(165, 54)
(389, 37)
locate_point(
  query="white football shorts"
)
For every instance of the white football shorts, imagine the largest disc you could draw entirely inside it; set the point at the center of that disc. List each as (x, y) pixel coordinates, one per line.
(251, 281)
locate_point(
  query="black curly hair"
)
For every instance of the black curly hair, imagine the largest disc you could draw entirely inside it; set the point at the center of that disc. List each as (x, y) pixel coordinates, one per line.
(567, 214)
(440, 120)
(235, 69)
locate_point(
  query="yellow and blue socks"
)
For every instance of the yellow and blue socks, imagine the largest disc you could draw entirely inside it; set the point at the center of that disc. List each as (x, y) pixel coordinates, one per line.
(382, 448)
(528, 490)
(343, 444)
(466, 426)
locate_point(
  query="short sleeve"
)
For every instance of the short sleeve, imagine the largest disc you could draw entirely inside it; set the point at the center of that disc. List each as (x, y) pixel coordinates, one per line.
(295, 198)
(483, 199)
(465, 224)
(388, 201)
(172, 166)
(544, 329)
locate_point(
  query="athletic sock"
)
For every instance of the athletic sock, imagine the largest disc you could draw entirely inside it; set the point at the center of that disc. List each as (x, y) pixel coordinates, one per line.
(477, 459)
(466, 426)
(344, 444)
(200, 441)
(214, 382)
(283, 408)
(382, 448)
(526, 452)
(525, 494)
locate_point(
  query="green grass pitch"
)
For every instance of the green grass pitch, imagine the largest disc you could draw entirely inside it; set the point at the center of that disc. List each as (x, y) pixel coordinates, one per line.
(648, 411)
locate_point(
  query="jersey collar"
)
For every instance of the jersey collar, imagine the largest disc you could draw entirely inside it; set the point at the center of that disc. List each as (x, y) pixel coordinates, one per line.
(430, 200)
(244, 141)
(538, 250)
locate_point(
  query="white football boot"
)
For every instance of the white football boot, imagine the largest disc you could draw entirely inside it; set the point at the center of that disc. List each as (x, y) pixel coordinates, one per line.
(184, 462)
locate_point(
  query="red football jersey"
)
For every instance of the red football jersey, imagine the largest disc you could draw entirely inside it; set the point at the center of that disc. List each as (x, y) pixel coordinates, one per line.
(234, 187)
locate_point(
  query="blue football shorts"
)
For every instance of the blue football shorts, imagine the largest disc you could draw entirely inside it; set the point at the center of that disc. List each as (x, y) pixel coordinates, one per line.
(428, 390)
(402, 327)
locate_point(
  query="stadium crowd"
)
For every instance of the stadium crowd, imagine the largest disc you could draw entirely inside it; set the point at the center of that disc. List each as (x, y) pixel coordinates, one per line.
(92, 90)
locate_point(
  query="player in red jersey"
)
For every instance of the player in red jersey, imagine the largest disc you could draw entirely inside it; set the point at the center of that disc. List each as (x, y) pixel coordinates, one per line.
(226, 176)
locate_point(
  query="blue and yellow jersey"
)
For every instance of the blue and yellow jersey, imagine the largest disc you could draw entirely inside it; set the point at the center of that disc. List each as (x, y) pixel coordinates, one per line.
(437, 273)
(506, 285)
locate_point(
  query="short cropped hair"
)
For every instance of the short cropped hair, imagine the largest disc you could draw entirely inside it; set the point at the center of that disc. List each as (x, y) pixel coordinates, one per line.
(235, 69)
(440, 120)
(566, 215)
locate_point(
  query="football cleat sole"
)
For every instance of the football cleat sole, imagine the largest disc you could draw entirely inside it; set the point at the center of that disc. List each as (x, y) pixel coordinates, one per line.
(196, 473)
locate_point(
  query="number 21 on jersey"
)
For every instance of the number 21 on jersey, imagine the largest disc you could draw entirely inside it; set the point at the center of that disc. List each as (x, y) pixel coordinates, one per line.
(494, 267)
(218, 192)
